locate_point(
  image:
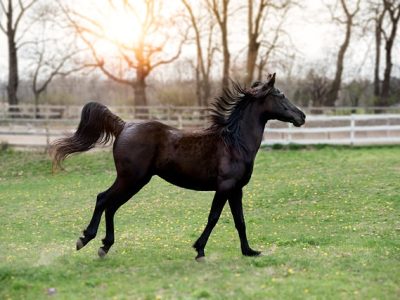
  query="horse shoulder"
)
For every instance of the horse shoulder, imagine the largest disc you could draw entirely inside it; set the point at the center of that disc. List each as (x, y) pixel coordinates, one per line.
(234, 171)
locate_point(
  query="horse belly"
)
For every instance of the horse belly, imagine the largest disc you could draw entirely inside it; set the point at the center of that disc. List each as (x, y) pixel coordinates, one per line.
(197, 178)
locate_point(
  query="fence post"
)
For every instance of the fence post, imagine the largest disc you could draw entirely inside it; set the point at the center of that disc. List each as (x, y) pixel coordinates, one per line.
(180, 122)
(47, 137)
(352, 128)
(387, 124)
(289, 136)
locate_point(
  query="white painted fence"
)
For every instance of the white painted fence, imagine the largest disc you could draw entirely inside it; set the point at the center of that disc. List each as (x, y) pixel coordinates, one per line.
(348, 130)
(319, 129)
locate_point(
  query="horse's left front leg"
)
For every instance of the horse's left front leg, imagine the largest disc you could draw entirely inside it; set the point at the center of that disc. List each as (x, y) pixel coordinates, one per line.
(235, 203)
(215, 212)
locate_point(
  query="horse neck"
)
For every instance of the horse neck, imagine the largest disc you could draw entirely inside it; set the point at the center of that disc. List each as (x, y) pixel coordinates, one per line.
(251, 130)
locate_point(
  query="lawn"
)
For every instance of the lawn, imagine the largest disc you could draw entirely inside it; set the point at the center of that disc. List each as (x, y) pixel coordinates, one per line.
(327, 221)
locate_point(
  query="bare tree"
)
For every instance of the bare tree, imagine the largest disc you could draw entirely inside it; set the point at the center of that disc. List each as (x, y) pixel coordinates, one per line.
(220, 10)
(254, 29)
(274, 42)
(51, 52)
(259, 12)
(356, 91)
(204, 54)
(348, 22)
(140, 57)
(14, 12)
(46, 67)
(393, 11)
(316, 87)
(378, 13)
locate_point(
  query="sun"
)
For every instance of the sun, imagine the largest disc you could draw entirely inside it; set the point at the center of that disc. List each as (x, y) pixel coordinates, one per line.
(121, 28)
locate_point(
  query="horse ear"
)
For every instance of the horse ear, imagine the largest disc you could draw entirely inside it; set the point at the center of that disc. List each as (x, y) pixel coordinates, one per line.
(270, 82)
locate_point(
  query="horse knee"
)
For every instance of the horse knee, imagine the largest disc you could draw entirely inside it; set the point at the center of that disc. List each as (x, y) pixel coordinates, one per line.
(89, 235)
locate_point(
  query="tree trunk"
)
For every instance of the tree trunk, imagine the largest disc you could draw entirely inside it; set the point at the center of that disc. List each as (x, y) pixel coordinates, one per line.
(378, 41)
(388, 70)
(393, 9)
(252, 54)
(335, 87)
(206, 91)
(140, 85)
(36, 98)
(198, 87)
(227, 58)
(140, 93)
(13, 79)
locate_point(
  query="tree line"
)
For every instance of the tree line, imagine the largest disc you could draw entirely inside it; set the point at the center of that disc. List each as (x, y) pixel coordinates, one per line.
(56, 39)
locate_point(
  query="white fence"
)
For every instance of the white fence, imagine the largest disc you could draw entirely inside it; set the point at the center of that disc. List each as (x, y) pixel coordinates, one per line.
(319, 129)
(339, 130)
(160, 112)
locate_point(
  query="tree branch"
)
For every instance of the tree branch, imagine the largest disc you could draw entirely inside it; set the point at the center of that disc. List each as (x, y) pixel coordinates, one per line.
(23, 9)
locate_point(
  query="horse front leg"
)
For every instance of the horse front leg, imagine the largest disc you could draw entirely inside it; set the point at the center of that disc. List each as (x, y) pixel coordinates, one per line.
(215, 212)
(235, 203)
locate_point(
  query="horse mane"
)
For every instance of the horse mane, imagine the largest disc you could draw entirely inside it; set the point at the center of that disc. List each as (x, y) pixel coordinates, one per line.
(226, 111)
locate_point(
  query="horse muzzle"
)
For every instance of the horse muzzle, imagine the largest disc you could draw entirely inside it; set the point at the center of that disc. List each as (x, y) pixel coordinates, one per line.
(299, 119)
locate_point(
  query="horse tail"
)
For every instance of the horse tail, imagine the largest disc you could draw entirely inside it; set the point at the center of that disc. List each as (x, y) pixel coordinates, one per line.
(97, 126)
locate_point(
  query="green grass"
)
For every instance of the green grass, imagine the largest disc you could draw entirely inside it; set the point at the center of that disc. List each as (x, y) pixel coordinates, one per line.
(328, 221)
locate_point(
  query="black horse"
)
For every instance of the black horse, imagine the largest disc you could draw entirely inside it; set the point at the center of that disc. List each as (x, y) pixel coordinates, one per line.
(219, 158)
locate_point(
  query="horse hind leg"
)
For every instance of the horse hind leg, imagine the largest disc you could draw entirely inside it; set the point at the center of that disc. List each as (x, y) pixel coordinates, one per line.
(125, 192)
(91, 230)
(108, 240)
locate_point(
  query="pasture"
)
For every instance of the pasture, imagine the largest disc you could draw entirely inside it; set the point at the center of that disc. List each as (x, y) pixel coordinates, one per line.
(327, 221)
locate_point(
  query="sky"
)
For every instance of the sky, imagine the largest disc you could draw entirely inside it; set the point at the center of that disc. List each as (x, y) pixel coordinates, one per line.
(314, 36)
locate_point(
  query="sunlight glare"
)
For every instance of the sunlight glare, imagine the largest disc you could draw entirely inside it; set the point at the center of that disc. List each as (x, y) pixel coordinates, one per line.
(121, 28)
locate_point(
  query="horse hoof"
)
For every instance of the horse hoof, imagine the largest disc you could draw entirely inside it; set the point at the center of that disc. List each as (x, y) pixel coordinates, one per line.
(102, 253)
(79, 244)
(252, 253)
(259, 254)
(200, 259)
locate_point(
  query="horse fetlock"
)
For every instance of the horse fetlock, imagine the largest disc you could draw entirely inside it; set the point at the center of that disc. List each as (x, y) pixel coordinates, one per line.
(200, 252)
(107, 243)
(87, 235)
(83, 240)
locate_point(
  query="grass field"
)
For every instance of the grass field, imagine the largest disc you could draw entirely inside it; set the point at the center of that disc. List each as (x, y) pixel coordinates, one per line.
(327, 220)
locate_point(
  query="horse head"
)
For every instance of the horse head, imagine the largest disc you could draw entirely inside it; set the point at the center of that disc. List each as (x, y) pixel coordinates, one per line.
(274, 103)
